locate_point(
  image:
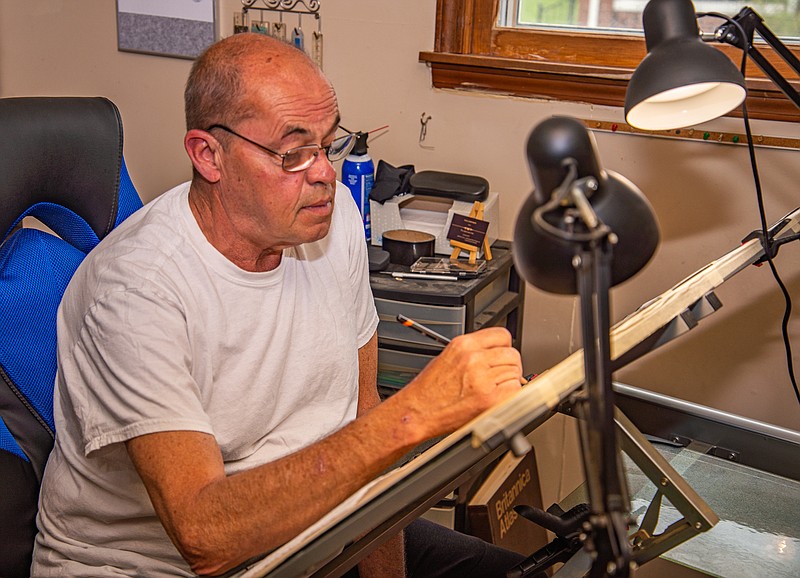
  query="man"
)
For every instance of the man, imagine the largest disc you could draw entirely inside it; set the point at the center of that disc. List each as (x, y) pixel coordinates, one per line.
(217, 352)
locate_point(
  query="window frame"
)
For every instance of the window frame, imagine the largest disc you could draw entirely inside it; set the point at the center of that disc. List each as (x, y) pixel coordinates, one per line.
(472, 53)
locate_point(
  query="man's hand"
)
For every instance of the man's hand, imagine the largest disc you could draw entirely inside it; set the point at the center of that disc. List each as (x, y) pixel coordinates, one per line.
(475, 372)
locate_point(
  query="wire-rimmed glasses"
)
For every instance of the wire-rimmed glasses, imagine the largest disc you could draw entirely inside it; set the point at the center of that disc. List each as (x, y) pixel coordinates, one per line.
(300, 158)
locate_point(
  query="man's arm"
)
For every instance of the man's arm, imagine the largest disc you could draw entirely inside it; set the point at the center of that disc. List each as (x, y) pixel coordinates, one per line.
(389, 559)
(218, 521)
(368, 376)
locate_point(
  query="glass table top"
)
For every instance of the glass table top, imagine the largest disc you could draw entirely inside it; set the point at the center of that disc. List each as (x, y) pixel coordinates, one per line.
(759, 529)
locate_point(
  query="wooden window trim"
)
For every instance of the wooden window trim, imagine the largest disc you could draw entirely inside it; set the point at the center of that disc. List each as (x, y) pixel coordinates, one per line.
(472, 53)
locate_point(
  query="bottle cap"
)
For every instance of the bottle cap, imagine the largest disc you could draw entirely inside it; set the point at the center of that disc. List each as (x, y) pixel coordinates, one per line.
(360, 147)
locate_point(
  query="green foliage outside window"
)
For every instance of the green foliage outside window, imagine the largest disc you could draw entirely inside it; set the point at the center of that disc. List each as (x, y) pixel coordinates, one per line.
(781, 16)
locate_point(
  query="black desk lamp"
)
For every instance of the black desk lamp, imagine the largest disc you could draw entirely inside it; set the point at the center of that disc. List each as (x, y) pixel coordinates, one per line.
(568, 178)
(581, 231)
(683, 81)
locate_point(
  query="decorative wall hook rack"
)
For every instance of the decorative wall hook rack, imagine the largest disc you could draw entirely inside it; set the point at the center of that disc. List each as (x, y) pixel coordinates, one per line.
(279, 29)
(294, 6)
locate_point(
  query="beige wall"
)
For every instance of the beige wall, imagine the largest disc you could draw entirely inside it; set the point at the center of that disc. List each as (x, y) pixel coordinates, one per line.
(702, 192)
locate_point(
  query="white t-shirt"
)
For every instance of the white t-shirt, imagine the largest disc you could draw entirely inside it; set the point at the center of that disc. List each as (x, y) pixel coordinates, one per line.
(158, 331)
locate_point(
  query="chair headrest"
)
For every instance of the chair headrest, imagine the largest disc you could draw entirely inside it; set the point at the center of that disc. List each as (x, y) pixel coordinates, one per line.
(64, 151)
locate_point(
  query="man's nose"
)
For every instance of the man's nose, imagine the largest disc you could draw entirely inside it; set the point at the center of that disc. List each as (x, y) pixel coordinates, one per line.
(321, 170)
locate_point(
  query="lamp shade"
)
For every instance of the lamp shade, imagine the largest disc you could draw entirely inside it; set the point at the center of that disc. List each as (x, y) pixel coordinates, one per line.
(546, 261)
(681, 81)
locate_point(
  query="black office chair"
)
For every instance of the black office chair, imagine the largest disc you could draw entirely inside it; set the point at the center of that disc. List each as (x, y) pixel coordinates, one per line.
(61, 163)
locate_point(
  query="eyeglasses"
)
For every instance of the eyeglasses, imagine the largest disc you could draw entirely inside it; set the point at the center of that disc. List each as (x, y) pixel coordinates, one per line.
(300, 158)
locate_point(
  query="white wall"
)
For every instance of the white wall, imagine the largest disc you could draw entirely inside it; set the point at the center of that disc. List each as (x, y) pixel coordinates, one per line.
(702, 192)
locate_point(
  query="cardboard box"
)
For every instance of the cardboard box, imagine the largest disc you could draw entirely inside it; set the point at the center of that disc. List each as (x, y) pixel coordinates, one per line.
(491, 514)
(431, 215)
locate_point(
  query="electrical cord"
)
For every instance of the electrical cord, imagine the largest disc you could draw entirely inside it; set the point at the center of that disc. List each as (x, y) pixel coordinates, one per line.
(762, 215)
(761, 210)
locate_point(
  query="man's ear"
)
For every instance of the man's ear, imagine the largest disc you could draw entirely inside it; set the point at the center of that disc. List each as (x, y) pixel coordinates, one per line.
(202, 149)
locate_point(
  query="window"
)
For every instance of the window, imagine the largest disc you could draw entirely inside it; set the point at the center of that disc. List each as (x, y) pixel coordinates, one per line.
(783, 16)
(472, 52)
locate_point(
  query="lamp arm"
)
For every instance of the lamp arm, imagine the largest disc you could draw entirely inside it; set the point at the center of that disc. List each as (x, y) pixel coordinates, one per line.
(750, 22)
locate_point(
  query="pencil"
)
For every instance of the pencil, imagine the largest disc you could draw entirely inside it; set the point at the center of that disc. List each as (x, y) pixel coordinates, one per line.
(427, 276)
(422, 329)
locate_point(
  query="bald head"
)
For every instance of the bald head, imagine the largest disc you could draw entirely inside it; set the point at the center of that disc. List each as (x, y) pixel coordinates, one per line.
(230, 74)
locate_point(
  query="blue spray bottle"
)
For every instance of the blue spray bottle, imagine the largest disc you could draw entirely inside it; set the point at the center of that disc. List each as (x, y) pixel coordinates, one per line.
(358, 173)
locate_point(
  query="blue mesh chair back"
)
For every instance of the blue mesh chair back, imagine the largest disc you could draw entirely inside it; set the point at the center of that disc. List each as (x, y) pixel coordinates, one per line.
(61, 163)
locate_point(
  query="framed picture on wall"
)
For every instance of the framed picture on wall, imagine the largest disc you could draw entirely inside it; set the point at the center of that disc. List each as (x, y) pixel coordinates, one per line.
(177, 28)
